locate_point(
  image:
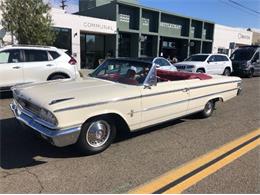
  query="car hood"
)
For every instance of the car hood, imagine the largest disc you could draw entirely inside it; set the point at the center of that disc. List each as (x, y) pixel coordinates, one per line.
(59, 94)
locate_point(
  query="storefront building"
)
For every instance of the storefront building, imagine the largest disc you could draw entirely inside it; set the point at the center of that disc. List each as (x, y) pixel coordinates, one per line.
(87, 39)
(147, 32)
(256, 37)
(226, 39)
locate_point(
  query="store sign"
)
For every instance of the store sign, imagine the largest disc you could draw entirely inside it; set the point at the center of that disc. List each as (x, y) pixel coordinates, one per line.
(124, 18)
(97, 26)
(145, 21)
(243, 36)
(169, 25)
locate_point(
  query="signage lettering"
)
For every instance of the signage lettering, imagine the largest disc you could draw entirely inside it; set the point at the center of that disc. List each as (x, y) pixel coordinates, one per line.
(241, 36)
(99, 26)
(169, 25)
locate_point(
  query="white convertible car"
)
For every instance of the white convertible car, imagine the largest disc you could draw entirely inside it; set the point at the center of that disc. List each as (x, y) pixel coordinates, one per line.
(121, 94)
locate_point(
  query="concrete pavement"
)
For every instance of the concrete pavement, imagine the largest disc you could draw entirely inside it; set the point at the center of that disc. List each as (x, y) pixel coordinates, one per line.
(30, 165)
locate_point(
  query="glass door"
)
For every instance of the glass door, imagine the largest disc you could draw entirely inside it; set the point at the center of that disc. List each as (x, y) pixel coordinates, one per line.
(92, 50)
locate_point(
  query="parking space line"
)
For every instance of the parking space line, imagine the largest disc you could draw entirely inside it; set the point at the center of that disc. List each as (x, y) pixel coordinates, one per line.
(176, 181)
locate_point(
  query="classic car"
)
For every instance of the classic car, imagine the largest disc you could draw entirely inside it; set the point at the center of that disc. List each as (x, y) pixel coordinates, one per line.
(121, 94)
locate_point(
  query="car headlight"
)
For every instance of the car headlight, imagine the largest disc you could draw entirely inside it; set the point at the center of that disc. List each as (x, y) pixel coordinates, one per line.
(190, 66)
(47, 116)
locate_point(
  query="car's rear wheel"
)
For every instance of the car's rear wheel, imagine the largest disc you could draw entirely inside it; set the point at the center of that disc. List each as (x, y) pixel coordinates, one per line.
(227, 72)
(208, 109)
(96, 135)
(57, 76)
(250, 73)
(200, 71)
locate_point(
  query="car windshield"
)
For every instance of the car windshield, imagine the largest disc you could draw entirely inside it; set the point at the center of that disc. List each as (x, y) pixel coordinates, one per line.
(244, 54)
(123, 71)
(197, 58)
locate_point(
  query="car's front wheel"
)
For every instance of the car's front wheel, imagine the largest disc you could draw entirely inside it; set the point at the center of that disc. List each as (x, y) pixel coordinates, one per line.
(96, 135)
(208, 109)
(227, 72)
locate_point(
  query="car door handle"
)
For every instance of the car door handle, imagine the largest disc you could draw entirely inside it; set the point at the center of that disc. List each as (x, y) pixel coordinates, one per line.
(16, 67)
(49, 65)
(185, 90)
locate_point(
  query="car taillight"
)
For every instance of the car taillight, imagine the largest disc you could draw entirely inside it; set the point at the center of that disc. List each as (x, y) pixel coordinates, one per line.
(72, 61)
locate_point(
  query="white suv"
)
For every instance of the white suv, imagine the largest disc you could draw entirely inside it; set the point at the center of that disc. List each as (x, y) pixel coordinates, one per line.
(25, 64)
(207, 63)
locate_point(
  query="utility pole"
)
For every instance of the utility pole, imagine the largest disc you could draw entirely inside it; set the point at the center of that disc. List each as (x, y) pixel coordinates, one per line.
(63, 4)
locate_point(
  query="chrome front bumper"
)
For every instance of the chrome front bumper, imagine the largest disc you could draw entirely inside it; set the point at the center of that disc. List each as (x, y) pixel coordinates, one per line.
(57, 137)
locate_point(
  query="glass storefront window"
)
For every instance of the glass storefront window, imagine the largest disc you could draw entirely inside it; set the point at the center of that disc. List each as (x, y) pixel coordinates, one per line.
(124, 45)
(147, 46)
(92, 50)
(63, 39)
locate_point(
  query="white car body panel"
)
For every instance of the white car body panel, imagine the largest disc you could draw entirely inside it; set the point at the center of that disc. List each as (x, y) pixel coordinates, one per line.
(11, 74)
(29, 72)
(215, 68)
(92, 97)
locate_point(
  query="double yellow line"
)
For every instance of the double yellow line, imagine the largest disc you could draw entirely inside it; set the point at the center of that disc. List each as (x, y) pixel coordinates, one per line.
(178, 180)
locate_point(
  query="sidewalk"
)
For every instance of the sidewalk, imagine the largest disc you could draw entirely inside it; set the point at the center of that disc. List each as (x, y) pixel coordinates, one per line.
(85, 72)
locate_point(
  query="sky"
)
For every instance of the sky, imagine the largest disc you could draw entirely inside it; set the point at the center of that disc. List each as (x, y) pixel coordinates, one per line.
(224, 12)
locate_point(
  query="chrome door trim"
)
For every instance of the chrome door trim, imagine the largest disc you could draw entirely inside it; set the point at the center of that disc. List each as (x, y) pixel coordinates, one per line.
(135, 97)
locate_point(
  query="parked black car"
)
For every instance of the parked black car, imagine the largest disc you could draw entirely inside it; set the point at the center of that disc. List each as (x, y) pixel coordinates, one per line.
(246, 61)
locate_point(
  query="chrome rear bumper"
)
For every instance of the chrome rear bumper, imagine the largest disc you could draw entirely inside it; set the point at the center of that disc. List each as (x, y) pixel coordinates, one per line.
(58, 137)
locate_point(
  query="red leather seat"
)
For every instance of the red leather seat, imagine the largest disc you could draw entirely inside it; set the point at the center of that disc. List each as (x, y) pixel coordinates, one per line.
(174, 75)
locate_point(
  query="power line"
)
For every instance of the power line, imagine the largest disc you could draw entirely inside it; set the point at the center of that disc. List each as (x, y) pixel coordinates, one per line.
(240, 5)
(239, 8)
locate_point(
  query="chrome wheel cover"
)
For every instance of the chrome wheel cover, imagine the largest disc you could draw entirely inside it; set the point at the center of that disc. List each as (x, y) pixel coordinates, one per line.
(208, 108)
(98, 133)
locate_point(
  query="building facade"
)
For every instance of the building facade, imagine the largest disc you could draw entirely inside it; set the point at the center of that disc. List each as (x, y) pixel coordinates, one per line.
(256, 37)
(87, 39)
(226, 39)
(147, 32)
(89, 4)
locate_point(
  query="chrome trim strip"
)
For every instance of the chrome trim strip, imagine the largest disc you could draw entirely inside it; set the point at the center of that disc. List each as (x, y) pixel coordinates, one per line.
(59, 137)
(182, 101)
(192, 99)
(135, 97)
(162, 93)
(208, 85)
(95, 104)
(34, 117)
(60, 100)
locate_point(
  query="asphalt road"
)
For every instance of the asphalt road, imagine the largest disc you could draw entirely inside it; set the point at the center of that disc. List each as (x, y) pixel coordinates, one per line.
(30, 165)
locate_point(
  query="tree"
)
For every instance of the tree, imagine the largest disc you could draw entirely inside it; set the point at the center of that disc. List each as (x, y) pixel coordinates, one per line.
(28, 20)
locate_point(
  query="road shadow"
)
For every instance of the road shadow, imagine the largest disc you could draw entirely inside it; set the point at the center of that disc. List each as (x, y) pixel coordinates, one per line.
(21, 148)
(6, 95)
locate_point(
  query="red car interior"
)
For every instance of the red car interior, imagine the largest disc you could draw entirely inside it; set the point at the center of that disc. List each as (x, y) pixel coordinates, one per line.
(166, 75)
(162, 75)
